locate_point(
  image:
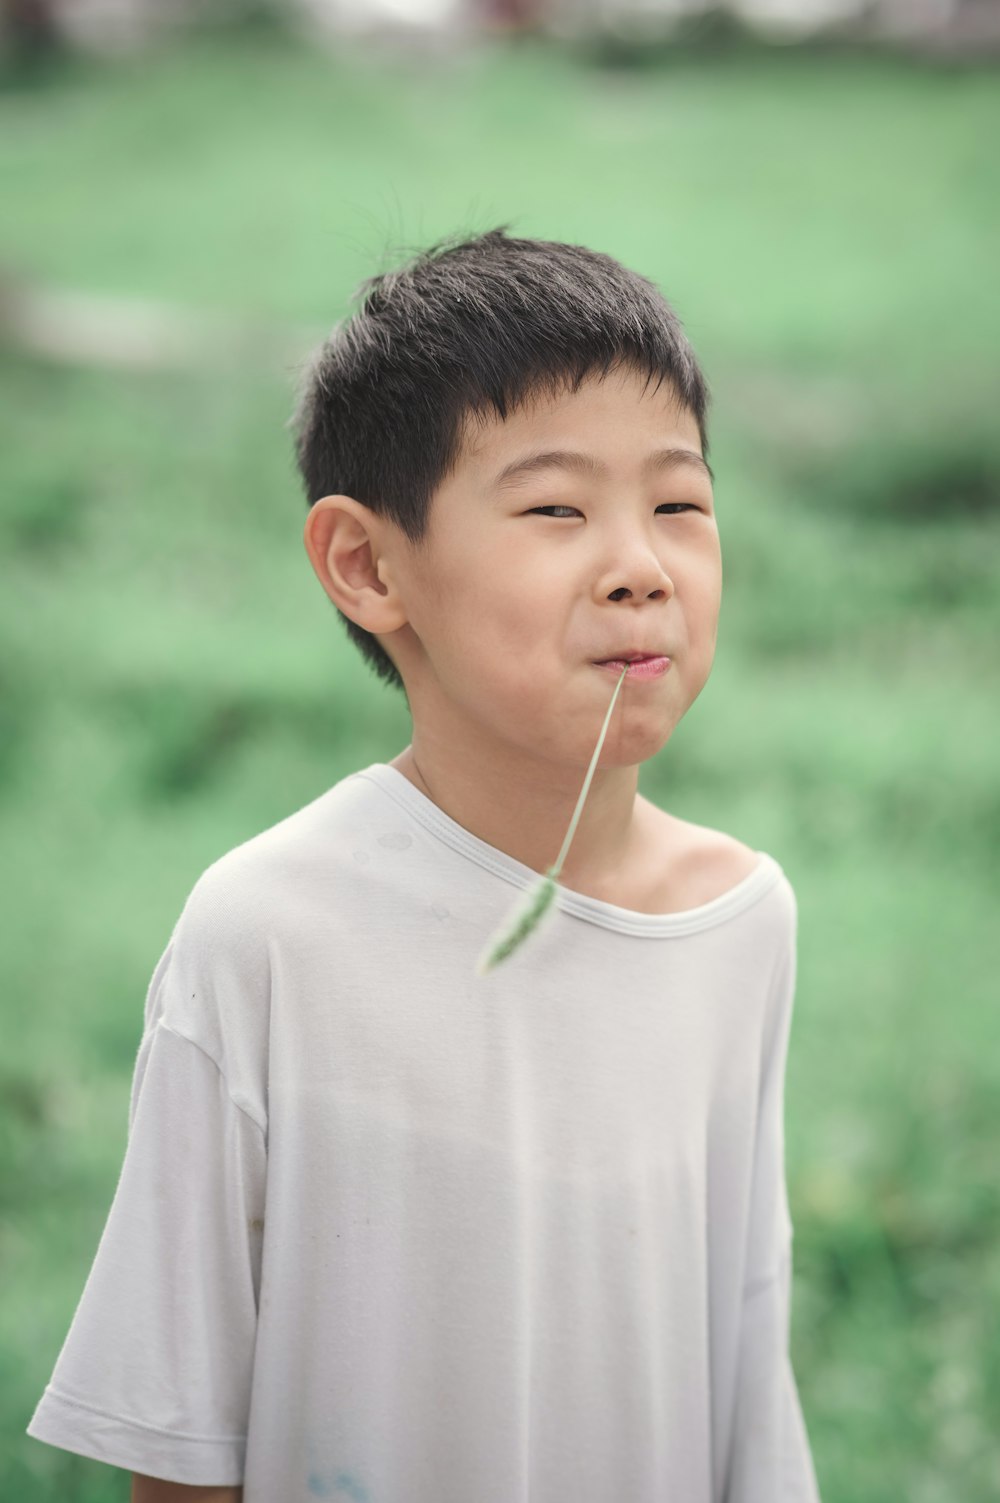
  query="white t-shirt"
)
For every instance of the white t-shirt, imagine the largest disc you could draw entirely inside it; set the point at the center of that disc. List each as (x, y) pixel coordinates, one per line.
(389, 1231)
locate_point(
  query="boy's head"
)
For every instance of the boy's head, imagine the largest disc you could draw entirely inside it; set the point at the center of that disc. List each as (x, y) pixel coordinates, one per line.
(474, 356)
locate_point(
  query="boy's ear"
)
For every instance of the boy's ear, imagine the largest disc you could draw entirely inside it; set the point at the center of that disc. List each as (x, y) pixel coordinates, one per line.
(346, 543)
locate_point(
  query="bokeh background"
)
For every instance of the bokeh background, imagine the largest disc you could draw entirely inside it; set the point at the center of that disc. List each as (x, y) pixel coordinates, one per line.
(191, 194)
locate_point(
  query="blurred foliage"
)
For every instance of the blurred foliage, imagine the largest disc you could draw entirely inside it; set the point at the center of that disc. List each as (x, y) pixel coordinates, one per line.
(38, 35)
(173, 680)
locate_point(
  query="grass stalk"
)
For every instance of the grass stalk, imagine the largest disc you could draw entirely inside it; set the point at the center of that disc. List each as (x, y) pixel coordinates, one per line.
(530, 909)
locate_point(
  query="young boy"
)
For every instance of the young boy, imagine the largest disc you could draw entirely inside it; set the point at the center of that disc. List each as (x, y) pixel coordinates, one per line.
(388, 1230)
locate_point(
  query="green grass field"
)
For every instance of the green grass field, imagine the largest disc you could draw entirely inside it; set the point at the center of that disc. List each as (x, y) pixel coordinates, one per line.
(173, 680)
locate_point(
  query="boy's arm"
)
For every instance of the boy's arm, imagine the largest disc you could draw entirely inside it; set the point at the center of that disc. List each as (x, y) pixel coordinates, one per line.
(155, 1490)
(155, 1374)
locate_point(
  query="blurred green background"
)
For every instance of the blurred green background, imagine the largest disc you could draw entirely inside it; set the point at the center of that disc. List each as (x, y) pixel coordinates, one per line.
(173, 680)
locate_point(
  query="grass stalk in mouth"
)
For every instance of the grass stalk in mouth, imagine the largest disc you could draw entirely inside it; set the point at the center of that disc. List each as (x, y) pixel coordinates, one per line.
(529, 911)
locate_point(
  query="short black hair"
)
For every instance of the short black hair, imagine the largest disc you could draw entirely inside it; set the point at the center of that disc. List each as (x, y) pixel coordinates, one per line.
(465, 326)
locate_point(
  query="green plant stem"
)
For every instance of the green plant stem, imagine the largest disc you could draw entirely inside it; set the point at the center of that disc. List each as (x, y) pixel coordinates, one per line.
(534, 904)
(555, 870)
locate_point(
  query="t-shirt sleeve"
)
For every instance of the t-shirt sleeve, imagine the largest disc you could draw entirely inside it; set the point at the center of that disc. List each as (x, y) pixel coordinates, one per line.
(770, 1460)
(155, 1372)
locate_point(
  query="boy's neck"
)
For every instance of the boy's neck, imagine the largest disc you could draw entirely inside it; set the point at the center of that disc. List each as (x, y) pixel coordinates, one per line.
(607, 851)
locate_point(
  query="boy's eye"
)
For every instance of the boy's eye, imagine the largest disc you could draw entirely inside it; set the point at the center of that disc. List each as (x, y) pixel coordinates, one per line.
(666, 506)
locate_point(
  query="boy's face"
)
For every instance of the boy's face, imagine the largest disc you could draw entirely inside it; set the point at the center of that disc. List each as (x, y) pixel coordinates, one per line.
(509, 608)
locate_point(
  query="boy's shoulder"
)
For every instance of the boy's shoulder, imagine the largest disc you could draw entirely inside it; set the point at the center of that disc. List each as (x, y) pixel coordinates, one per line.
(248, 892)
(688, 864)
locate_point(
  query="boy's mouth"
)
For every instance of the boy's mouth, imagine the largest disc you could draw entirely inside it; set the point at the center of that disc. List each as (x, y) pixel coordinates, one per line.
(638, 667)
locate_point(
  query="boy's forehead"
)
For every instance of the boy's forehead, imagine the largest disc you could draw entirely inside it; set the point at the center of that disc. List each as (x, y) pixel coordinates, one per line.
(487, 440)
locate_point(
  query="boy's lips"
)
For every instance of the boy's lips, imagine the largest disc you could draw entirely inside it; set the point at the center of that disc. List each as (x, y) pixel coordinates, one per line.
(633, 655)
(629, 657)
(642, 667)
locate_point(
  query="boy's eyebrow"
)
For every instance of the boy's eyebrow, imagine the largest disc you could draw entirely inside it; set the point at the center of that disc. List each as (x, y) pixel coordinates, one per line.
(587, 464)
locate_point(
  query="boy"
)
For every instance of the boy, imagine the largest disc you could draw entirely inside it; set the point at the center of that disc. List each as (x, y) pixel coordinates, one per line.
(387, 1230)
